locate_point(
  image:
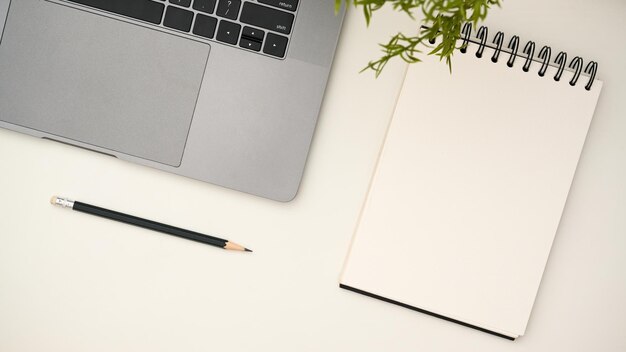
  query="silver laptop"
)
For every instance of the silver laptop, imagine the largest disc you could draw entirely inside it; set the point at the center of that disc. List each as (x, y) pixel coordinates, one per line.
(223, 91)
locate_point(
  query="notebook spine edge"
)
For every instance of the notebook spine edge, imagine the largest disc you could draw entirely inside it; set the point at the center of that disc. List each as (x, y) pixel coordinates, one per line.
(423, 311)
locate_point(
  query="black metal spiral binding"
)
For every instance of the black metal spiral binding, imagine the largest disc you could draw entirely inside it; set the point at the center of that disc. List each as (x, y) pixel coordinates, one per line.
(529, 52)
(482, 35)
(513, 46)
(544, 54)
(591, 70)
(497, 40)
(466, 34)
(577, 65)
(561, 60)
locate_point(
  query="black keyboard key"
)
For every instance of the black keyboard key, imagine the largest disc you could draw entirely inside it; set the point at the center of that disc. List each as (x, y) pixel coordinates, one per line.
(289, 5)
(207, 6)
(250, 44)
(253, 33)
(268, 18)
(143, 10)
(229, 8)
(228, 32)
(205, 26)
(178, 19)
(275, 45)
(185, 3)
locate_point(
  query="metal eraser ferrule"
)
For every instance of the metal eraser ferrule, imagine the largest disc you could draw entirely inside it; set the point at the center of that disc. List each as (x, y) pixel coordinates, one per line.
(63, 202)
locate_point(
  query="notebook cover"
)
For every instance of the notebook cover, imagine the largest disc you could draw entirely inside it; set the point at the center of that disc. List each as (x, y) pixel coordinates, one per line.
(469, 190)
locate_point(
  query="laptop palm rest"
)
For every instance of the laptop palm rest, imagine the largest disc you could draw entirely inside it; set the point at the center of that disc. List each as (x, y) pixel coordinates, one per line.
(99, 81)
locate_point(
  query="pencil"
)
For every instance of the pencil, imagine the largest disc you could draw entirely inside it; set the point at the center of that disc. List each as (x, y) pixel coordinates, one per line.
(146, 224)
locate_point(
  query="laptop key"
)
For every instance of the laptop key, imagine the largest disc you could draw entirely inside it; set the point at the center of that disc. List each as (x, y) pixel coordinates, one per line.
(178, 18)
(275, 45)
(185, 3)
(229, 9)
(205, 26)
(266, 17)
(253, 33)
(207, 6)
(250, 44)
(143, 10)
(289, 5)
(228, 32)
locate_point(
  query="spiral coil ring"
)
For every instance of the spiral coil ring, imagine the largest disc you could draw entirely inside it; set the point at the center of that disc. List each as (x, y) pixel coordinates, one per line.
(591, 70)
(466, 33)
(561, 60)
(544, 56)
(577, 65)
(482, 35)
(529, 50)
(513, 46)
(497, 40)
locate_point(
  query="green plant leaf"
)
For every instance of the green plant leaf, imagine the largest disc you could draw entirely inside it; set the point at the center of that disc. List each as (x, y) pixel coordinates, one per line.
(442, 23)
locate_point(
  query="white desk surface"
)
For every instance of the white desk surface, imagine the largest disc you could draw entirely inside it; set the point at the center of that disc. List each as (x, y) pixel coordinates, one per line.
(71, 282)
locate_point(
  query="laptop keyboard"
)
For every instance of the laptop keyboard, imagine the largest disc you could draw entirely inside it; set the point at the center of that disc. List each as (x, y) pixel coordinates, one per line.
(262, 26)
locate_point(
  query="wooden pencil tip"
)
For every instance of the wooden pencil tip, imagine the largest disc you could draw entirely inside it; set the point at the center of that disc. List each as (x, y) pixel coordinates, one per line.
(236, 247)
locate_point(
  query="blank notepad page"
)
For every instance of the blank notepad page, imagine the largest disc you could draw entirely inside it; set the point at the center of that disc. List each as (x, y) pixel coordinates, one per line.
(469, 189)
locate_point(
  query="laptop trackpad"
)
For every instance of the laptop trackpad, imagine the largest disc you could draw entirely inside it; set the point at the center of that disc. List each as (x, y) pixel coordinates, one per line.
(101, 81)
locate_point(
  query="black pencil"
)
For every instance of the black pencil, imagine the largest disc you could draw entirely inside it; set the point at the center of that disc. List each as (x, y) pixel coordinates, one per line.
(147, 224)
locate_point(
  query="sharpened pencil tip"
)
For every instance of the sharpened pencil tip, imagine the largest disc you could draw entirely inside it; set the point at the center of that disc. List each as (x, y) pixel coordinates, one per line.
(248, 250)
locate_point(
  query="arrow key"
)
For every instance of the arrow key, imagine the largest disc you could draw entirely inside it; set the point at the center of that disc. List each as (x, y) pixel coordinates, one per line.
(253, 33)
(228, 32)
(249, 44)
(275, 45)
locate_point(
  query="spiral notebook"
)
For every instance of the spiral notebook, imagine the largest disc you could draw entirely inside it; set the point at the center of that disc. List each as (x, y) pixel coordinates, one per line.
(472, 181)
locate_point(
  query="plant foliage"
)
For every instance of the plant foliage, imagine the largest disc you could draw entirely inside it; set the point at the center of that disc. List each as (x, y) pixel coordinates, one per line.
(442, 19)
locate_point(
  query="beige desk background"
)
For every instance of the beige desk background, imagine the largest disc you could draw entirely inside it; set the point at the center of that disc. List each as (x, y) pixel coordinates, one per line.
(70, 282)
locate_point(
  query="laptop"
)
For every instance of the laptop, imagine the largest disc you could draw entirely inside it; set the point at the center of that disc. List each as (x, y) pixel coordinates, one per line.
(222, 91)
